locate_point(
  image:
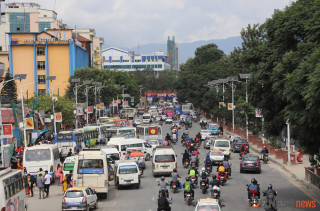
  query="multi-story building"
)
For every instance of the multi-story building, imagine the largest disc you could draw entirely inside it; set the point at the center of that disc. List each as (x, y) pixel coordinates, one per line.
(50, 53)
(172, 51)
(26, 17)
(123, 60)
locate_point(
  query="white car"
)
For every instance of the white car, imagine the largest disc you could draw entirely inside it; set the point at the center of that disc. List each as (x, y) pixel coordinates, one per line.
(158, 118)
(176, 123)
(204, 134)
(216, 156)
(137, 121)
(168, 120)
(79, 198)
(208, 204)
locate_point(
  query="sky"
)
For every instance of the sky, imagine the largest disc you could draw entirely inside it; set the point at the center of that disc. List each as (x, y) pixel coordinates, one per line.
(129, 23)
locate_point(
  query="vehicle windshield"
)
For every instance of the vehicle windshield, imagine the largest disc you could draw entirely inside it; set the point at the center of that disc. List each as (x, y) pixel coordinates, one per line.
(250, 158)
(90, 166)
(130, 169)
(213, 126)
(74, 194)
(205, 131)
(146, 117)
(153, 142)
(216, 154)
(64, 137)
(113, 156)
(164, 158)
(222, 144)
(68, 166)
(207, 207)
(38, 155)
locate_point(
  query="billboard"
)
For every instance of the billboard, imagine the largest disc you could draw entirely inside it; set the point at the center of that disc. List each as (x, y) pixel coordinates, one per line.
(7, 131)
(161, 94)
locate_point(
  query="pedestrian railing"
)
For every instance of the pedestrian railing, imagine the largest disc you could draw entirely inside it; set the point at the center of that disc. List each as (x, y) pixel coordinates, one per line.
(312, 177)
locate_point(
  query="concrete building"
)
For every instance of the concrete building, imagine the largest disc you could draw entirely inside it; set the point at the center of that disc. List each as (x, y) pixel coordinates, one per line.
(119, 59)
(50, 53)
(26, 17)
(172, 51)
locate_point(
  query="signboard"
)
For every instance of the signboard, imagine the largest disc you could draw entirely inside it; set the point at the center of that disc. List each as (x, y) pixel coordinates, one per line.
(221, 104)
(101, 104)
(230, 106)
(258, 113)
(90, 109)
(115, 102)
(7, 131)
(125, 103)
(58, 117)
(98, 107)
(29, 123)
(161, 95)
(79, 111)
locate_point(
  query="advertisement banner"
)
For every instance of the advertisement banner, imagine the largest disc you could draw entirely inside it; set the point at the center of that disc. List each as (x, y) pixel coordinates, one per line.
(58, 117)
(7, 131)
(101, 104)
(160, 95)
(79, 111)
(230, 106)
(90, 109)
(125, 103)
(221, 104)
(29, 124)
(258, 113)
(115, 102)
(98, 107)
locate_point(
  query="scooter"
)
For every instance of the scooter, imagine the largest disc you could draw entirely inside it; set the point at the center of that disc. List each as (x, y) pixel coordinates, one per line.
(222, 178)
(208, 169)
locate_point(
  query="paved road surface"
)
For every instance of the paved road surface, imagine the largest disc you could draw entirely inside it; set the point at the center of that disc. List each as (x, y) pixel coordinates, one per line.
(234, 192)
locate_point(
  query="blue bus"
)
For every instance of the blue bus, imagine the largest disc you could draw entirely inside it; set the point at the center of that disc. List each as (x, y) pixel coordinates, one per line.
(69, 140)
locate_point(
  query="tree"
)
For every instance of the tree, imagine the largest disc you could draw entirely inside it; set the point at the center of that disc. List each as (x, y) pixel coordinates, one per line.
(9, 90)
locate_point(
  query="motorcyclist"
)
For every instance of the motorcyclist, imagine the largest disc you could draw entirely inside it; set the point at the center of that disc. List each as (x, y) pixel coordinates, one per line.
(264, 151)
(191, 148)
(194, 159)
(253, 187)
(196, 152)
(227, 166)
(270, 194)
(204, 175)
(185, 156)
(174, 178)
(215, 184)
(220, 170)
(163, 185)
(163, 203)
(188, 187)
(243, 148)
(208, 161)
(193, 173)
(168, 137)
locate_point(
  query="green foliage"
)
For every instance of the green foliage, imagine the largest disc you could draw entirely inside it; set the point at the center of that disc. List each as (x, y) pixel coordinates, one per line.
(9, 90)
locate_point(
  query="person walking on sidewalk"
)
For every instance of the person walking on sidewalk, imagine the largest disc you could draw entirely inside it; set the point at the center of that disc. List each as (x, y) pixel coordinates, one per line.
(40, 185)
(47, 182)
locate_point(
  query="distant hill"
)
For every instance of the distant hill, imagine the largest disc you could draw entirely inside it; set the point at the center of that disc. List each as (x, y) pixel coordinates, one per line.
(186, 50)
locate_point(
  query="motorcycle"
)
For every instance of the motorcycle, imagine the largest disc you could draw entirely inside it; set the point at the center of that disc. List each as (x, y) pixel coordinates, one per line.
(204, 185)
(254, 199)
(193, 165)
(272, 205)
(222, 178)
(242, 153)
(189, 198)
(183, 142)
(208, 169)
(175, 187)
(186, 163)
(194, 180)
(266, 158)
(187, 127)
(215, 194)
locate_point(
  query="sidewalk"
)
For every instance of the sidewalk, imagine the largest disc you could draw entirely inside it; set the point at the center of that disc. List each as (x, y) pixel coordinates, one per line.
(297, 171)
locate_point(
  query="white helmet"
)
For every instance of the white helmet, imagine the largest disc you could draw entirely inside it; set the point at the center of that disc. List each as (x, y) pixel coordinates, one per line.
(203, 169)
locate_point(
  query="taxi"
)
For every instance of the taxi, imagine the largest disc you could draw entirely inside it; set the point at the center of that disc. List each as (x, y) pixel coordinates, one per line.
(208, 205)
(136, 156)
(79, 198)
(216, 156)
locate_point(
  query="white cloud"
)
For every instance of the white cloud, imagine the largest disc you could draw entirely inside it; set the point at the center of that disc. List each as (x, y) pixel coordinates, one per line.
(125, 23)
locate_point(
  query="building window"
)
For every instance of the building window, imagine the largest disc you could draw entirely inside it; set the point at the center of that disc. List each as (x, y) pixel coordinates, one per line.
(41, 79)
(41, 91)
(41, 51)
(41, 65)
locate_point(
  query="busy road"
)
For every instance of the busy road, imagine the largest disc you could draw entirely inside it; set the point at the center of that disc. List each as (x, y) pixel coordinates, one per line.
(233, 193)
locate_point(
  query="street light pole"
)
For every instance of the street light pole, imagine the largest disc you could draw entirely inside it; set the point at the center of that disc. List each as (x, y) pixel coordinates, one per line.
(95, 97)
(246, 76)
(75, 90)
(288, 142)
(233, 88)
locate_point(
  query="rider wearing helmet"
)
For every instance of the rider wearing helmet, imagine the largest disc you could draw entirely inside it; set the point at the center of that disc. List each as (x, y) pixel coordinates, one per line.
(226, 165)
(253, 188)
(243, 148)
(220, 170)
(188, 187)
(204, 175)
(163, 185)
(270, 193)
(264, 151)
(215, 184)
(208, 162)
(174, 178)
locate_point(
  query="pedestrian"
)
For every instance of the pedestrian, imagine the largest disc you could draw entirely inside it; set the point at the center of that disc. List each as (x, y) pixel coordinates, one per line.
(292, 145)
(64, 184)
(57, 174)
(69, 179)
(40, 185)
(31, 182)
(47, 182)
(40, 172)
(69, 153)
(14, 164)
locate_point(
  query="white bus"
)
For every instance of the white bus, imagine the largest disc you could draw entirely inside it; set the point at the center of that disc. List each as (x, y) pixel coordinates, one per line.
(45, 156)
(148, 132)
(129, 132)
(70, 140)
(91, 170)
(12, 191)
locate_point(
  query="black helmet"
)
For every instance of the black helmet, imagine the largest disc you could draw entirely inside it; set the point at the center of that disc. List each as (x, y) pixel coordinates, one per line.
(270, 186)
(214, 177)
(253, 181)
(187, 178)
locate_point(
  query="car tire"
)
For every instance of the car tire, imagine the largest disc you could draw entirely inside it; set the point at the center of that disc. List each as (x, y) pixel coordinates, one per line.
(241, 171)
(259, 172)
(138, 185)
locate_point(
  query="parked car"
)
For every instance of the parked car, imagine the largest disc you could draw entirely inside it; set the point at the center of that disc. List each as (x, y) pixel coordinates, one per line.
(79, 198)
(237, 144)
(250, 163)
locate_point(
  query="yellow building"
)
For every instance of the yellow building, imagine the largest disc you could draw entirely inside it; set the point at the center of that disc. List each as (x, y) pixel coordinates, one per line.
(50, 53)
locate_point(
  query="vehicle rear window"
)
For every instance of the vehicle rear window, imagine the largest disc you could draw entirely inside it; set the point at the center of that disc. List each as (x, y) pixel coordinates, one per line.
(216, 154)
(90, 166)
(113, 156)
(74, 194)
(222, 144)
(164, 158)
(130, 169)
(211, 207)
(250, 158)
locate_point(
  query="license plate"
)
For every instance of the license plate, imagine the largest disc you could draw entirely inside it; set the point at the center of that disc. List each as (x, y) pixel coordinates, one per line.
(250, 164)
(215, 194)
(165, 167)
(128, 180)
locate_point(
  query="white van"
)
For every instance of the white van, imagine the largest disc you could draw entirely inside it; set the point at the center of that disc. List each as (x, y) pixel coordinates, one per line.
(12, 190)
(112, 156)
(132, 143)
(164, 160)
(91, 170)
(126, 173)
(224, 146)
(146, 118)
(68, 165)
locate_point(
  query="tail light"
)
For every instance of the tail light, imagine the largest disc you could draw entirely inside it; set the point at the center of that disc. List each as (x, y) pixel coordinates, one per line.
(241, 163)
(51, 168)
(84, 199)
(64, 199)
(258, 164)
